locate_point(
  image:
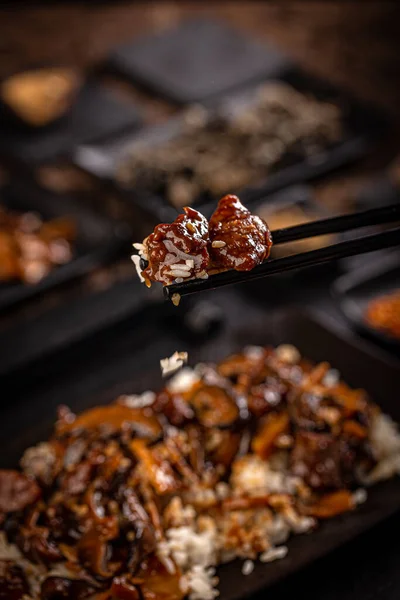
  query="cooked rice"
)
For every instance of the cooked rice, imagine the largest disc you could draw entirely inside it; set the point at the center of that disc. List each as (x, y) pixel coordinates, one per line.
(197, 535)
(138, 400)
(136, 261)
(173, 363)
(182, 380)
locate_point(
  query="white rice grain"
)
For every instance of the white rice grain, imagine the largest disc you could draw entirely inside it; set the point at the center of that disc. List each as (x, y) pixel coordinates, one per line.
(384, 437)
(182, 381)
(247, 567)
(199, 583)
(136, 261)
(359, 497)
(173, 363)
(274, 554)
(288, 354)
(138, 400)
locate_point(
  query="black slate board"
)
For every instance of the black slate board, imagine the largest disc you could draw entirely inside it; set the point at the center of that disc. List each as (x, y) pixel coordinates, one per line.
(98, 240)
(126, 360)
(197, 60)
(96, 114)
(363, 124)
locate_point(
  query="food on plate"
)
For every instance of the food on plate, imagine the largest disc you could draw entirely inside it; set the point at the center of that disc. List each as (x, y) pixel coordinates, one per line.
(383, 314)
(192, 247)
(30, 247)
(41, 96)
(143, 498)
(218, 152)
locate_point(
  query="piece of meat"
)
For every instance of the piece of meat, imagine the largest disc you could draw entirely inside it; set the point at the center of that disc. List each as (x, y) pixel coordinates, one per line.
(35, 543)
(158, 583)
(316, 458)
(13, 583)
(239, 240)
(135, 518)
(266, 397)
(76, 480)
(55, 588)
(173, 407)
(159, 472)
(214, 407)
(304, 407)
(123, 589)
(177, 250)
(17, 491)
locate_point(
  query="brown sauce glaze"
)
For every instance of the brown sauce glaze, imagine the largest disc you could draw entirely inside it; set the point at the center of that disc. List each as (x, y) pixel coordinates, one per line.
(190, 247)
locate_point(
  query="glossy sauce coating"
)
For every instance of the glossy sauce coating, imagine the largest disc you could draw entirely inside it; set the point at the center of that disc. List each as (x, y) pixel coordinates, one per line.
(246, 237)
(179, 249)
(190, 247)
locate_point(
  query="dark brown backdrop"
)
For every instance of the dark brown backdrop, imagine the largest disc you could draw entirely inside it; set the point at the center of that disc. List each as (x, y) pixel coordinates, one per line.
(355, 44)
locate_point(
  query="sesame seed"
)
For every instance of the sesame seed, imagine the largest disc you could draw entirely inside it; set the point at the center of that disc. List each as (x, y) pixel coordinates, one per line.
(248, 567)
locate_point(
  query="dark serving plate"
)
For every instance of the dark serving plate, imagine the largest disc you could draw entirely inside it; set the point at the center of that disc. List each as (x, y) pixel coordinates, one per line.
(126, 359)
(98, 240)
(362, 125)
(198, 59)
(357, 288)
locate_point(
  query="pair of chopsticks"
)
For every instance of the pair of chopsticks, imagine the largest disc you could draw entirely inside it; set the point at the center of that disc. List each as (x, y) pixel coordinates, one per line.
(367, 243)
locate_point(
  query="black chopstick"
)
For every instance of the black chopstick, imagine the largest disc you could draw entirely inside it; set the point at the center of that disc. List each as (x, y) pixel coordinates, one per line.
(375, 216)
(368, 243)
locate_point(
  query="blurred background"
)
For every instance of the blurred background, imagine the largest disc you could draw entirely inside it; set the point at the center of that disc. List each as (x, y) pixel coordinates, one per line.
(106, 110)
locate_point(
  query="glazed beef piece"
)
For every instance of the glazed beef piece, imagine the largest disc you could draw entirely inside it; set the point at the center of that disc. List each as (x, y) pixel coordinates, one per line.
(190, 247)
(178, 250)
(239, 240)
(316, 458)
(16, 491)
